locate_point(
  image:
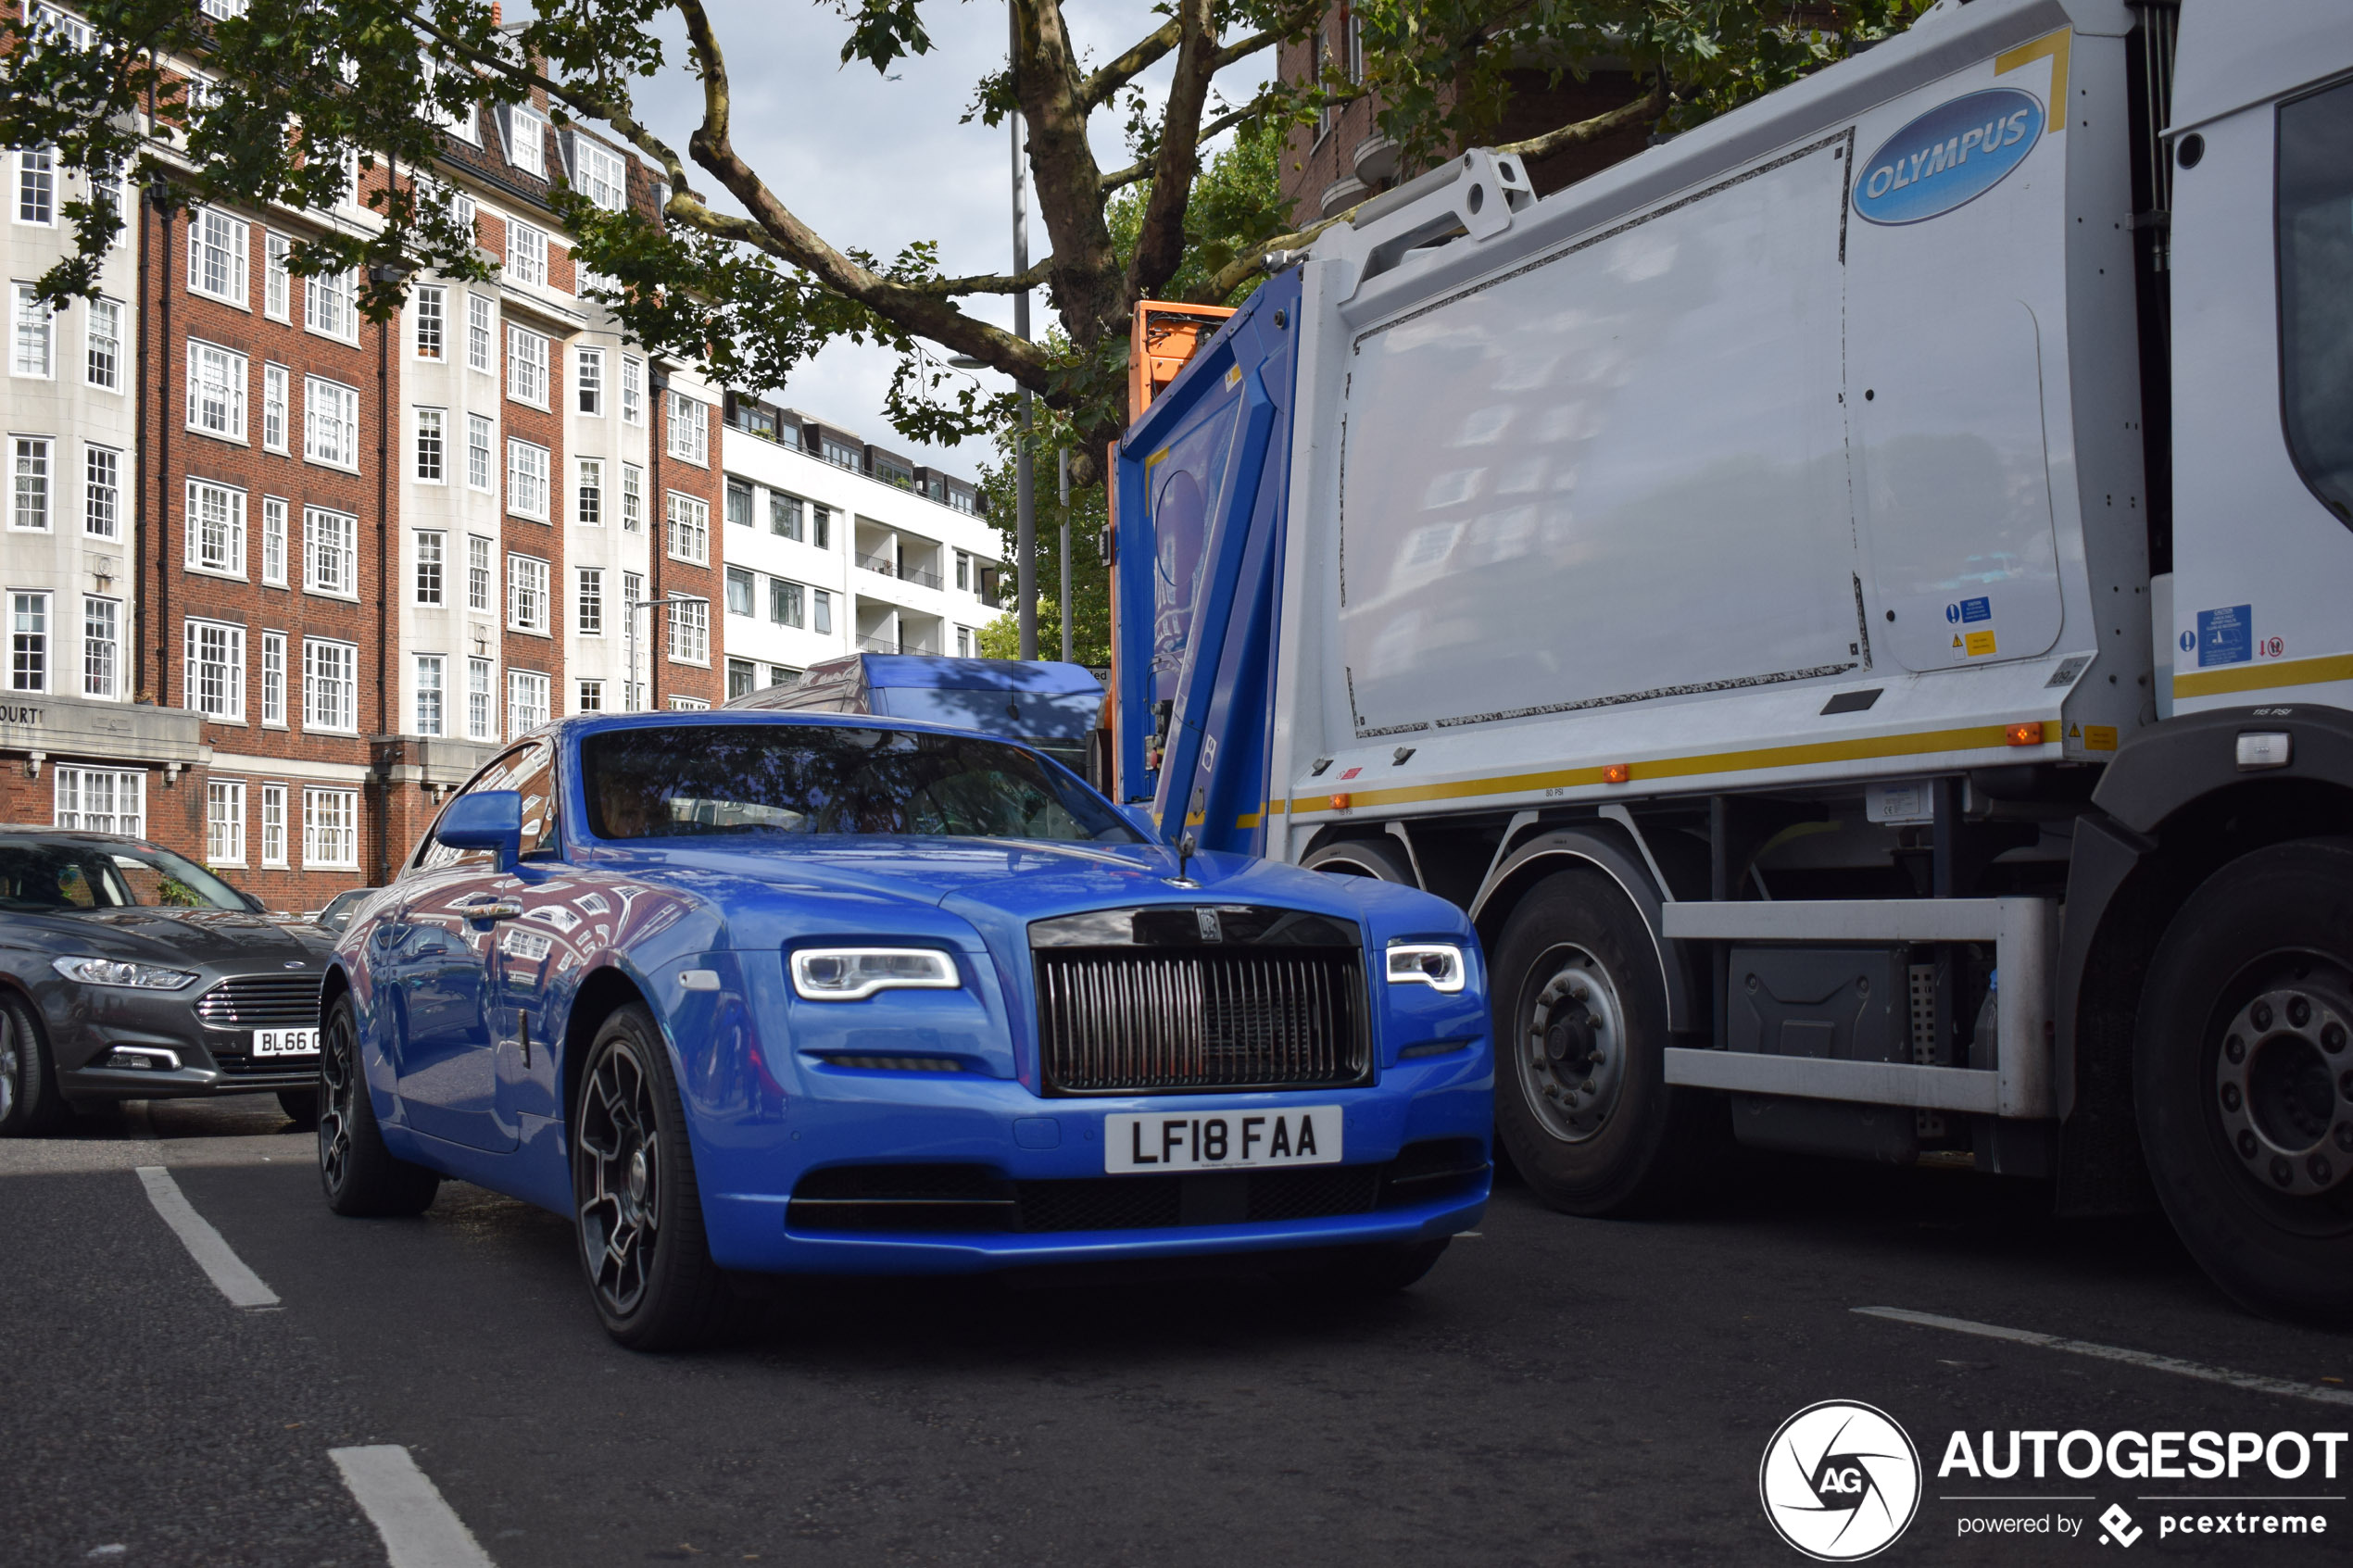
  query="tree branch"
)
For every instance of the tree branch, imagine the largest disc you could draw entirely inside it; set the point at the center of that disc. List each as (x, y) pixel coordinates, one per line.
(1648, 106)
(1160, 239)
(1139, 57)
(1213, 130)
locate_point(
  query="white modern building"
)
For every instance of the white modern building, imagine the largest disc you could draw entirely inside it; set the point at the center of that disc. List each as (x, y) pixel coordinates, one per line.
(836, 546)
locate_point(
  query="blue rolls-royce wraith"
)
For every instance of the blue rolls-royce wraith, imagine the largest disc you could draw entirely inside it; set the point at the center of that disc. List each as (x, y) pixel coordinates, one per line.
(790, 994)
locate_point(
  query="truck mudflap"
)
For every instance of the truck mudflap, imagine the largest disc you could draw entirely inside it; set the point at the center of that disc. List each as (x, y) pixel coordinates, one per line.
(1201, 485)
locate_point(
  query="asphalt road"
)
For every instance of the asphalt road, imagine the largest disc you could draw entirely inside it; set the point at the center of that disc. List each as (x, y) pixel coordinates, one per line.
(1556, 1392)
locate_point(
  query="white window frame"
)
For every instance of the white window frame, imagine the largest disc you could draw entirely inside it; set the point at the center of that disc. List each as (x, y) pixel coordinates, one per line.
(275, 540)
(276, 406)
(220, 695)
(218, 252)
(527, 464)
(32, 335)
(482, 333)
(588, 601)
(330, 306)
(431, 303)
(603, 175)
(273, 680)
(101, 491)
(432, 437)
(632, 499)
(33, 483)
(330, 553)
(224, 821)
(688, 522)
(527, 140)
(429, 680)
(33, 648)
(527, 594)
(273, 824)
(101, 648)
(633, 390)
(102, 345)
(589, 383)
(329, 424)
(689, 631)
(482, 574)
(530, 697)
(589, 492)
(215, 541)
(482, 447)
(204, 359)
(429, 584)
(277, 279)
(689, 430)
(73, 800)
(526, 254)
(330, 686)
(330, 829)
(36, 197)
(481, 700)
(526, 365)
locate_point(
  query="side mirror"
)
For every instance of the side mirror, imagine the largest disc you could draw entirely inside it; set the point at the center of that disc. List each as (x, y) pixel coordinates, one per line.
(490, 819)
(253, 903)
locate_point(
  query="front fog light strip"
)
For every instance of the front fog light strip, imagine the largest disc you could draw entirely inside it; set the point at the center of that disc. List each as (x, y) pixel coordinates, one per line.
(1438, 965)
(848, 974)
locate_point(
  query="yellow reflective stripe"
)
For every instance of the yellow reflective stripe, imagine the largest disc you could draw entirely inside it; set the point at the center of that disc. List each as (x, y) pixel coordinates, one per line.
(2056, 46)
(1976, 738)
(2256, 677)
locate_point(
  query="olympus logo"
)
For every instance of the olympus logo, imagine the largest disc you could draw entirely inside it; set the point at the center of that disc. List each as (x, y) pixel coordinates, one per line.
(1840, 1481)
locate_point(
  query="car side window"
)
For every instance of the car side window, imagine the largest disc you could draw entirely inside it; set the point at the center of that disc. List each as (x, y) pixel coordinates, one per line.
(530, 770)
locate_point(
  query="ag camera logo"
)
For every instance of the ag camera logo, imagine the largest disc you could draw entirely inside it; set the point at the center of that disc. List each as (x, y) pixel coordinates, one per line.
(1840, 1481)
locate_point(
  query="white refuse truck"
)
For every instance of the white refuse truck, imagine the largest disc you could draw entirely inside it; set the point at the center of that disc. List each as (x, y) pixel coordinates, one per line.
(1858, 600)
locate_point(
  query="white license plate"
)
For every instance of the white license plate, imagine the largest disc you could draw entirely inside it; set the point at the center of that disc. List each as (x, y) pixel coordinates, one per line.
(1222, 1140)
(285, 1042)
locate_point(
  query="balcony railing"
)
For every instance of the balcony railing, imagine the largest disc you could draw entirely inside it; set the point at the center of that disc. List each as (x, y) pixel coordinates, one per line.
(918, 576)
(877, 563)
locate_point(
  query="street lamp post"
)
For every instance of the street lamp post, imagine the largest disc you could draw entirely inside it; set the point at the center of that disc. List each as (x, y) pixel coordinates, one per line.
(1024, 501)
(1062, 458)
(629, 608)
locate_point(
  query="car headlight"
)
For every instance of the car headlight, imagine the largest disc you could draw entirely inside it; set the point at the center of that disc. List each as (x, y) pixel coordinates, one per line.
(1438, 965)
(117, 971)
(846, 974)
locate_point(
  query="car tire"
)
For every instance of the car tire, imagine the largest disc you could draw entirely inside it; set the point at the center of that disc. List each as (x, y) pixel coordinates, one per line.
(1582, 1104)
(30, 1102)
(1367, 1272)
(2243, 1078)
(301, 1107)
(361, 1178)
(638, 1211)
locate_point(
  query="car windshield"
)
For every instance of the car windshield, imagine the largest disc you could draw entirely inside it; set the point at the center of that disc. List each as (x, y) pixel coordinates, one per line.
(661, 782)
(60, 876)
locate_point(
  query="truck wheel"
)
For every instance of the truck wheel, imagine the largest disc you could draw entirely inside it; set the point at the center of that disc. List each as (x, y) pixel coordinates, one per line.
(1383, 860)
(1581, 1098)
(2243, 1078)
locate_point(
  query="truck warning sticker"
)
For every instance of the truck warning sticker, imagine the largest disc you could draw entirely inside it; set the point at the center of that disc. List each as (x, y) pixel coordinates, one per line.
(2226, 635)
(1948, 156)
(1969, 610)
(1979, 643)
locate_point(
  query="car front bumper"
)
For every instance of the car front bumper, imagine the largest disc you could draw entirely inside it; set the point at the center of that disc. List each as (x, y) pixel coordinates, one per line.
(749, 1168)
(86, 1029)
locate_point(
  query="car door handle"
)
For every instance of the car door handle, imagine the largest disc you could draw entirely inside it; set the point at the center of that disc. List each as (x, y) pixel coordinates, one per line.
(485, 913)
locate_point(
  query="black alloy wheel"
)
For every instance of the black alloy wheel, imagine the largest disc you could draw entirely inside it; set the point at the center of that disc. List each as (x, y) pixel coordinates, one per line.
(29, 1103)
(640, 1226)
(2243, 1078)
(301, 1107)
(361, 1178)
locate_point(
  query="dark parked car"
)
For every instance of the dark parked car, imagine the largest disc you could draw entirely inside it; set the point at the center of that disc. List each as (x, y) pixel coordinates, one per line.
(340, 909)
(128, 973)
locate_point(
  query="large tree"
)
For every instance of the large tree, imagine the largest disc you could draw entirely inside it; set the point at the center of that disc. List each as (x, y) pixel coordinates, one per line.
(745, 287)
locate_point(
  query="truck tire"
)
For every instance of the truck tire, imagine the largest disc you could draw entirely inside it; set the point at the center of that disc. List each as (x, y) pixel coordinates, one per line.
(1383, 860)
(1581, 1098)
(2243, 1078)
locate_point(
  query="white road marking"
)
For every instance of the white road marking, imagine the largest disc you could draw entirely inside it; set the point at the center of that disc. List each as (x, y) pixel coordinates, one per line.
(2252, 1382)
(400, 1500)
(224, 1267)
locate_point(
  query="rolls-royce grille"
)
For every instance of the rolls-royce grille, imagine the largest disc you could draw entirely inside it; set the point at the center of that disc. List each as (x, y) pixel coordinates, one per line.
(973, 1197)
(1124, 1019)
(263, 1001)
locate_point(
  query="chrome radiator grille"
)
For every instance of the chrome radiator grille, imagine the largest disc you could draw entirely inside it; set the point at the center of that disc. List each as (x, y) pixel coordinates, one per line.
(263, 1001)
(1127, 1020)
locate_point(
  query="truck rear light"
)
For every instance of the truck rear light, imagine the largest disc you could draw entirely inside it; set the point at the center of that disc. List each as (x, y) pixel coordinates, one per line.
(1617, 772)
(2264, 749)
(2029, 733)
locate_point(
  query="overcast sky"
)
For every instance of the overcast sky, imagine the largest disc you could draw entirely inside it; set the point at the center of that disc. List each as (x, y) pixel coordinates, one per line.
(877, 163)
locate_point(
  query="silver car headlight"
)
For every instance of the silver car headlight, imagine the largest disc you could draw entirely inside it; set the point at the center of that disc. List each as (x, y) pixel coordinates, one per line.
(119, 972)
(848, 974)
(1438, 965)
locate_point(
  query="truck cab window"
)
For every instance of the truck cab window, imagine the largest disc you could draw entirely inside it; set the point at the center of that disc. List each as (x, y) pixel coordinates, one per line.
(2315, 292)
